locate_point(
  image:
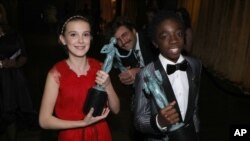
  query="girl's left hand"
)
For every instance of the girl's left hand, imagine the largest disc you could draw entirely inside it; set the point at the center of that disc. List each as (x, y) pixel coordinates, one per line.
(89, 119)
(102, 78)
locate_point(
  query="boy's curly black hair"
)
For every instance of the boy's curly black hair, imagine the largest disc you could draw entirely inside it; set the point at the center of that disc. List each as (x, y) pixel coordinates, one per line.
(159, 18)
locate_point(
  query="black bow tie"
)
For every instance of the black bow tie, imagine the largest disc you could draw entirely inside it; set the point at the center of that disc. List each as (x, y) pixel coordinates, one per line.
(180, 66)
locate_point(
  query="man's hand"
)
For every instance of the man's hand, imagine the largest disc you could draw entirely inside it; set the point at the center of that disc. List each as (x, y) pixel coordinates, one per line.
(128, 77)
(8, 63)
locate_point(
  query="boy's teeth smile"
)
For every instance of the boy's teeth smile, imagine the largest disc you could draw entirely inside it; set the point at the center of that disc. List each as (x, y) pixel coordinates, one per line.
(174, 50)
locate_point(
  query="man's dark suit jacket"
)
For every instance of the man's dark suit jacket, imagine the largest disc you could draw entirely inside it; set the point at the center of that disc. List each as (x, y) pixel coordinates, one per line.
(145, 107)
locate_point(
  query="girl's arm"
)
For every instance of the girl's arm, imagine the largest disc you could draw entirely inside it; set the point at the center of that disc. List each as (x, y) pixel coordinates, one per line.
(103, 79)
(113, 100)
(46, 118)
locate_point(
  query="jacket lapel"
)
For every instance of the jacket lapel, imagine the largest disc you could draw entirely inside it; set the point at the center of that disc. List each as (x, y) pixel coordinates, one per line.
(191, 96)
(192, 87)
(167, 86)
(146, 52)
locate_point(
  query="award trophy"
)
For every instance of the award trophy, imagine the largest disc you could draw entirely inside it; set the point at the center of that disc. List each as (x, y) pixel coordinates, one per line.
(152, 85)
(118, 63)
(97, 96)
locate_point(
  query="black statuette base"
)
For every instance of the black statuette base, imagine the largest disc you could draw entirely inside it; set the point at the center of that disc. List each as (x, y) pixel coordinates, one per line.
(96, 99)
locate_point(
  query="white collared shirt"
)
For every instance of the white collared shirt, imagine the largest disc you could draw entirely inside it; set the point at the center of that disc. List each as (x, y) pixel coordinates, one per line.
(137, 48)
(179, 82)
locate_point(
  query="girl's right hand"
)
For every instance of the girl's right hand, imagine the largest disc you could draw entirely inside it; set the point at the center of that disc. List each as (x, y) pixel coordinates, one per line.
(89, 119)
